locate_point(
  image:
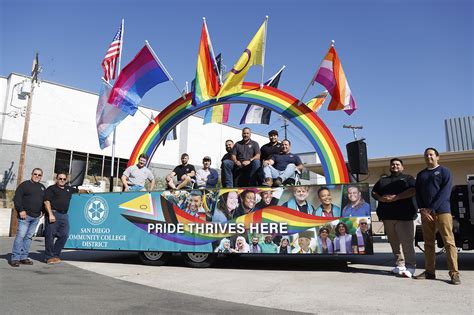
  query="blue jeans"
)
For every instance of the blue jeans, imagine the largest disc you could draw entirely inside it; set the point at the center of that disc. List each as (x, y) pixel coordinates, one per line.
(136, 188)
(271, 172)
(58, 230)
(24, 234)
(251, 171)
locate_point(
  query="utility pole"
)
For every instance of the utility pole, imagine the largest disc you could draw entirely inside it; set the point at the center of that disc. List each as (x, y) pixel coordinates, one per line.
(285, 127)
(21, 165)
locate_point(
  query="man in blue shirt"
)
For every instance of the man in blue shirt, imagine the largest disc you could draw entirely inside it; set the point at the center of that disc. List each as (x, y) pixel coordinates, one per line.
(433, 192)
(280, 167)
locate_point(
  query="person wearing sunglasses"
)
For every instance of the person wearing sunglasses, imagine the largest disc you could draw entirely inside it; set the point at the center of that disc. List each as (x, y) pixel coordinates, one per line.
(362, 240)
(56, 202)
(28, 203)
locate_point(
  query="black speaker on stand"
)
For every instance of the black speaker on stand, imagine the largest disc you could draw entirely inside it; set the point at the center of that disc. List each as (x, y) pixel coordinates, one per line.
(357, 157)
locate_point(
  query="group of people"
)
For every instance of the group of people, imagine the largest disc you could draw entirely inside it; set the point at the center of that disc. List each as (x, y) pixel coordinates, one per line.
(232, 204)
(244, 164)
(432, 189)
(394, 193)
(305, 242)
(31, 200)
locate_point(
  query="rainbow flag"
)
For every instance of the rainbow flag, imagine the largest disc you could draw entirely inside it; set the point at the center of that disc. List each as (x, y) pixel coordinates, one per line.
(332, 77)
(138, 77)
(316, 102)
(217, 114)
(206, 83)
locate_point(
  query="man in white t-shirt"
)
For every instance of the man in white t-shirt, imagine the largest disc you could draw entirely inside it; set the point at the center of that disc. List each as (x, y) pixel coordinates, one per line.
(206, 177)
(134, 176)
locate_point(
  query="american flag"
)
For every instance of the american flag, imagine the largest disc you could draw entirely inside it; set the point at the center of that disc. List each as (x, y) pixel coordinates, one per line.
(111, 57)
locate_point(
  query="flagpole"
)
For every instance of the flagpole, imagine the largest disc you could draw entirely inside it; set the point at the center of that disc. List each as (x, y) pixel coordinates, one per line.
(164, 69)
(274, 77)
(264, 48)
(312, 80)
(114, 137)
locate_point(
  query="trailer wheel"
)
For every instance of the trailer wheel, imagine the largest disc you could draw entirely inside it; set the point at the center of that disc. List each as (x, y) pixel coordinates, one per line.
(154, 258)
(199, 260)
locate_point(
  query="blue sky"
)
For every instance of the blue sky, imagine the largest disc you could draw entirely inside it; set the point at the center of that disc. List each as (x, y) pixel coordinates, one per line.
(409, 63)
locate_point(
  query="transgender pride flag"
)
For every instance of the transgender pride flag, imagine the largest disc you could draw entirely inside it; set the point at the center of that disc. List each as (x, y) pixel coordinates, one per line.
(138, 77)
(332, 77)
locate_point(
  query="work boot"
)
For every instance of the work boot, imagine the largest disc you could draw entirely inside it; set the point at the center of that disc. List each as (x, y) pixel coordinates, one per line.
(15, 263)
(26, 261)
(455, 279)
(53, 261)
(425, 275)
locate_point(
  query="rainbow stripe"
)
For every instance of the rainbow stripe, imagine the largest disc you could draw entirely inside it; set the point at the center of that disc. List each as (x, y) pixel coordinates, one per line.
(206, 85)
(296, 222)
(282, 103)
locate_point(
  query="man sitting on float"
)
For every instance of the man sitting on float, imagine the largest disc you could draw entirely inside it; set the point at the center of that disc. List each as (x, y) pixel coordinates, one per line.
(281, 168)
(245, 160)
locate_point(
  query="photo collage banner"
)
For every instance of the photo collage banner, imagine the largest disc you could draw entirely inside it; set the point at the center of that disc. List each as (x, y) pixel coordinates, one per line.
(315, 219)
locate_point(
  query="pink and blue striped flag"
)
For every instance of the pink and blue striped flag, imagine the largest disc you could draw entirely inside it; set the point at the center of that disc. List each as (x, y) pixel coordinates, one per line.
(138, 77)
(107, 117)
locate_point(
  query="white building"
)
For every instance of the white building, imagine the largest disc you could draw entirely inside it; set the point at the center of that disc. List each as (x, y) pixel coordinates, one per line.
(62, 133)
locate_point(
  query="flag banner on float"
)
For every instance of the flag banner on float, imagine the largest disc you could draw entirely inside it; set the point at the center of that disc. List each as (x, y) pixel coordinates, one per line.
(217, 114)
(232, 220)
(143, 73)
(172, 135)
(316, 102)
(332, 77)
(107, 117)
(253, 55)
(255, 114)
(110, 62)
(206, 83)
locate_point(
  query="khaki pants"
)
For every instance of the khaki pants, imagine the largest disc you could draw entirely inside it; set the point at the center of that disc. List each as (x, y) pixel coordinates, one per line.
(444, 224)
(402, 233)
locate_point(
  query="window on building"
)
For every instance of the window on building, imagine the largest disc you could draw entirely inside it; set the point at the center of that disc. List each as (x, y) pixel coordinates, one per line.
(63, 161)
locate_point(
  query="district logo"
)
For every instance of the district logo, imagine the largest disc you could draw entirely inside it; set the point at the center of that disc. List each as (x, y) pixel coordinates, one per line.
(96, 210)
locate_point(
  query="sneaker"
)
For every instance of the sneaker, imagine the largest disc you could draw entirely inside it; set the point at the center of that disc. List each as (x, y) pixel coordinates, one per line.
(425, 275)
(15, 263)
(455, 279)
(406, 274)
(26, 261)
(398, 269)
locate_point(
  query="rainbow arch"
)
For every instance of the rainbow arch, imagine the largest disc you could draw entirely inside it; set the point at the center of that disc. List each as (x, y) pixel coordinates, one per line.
(307, 121)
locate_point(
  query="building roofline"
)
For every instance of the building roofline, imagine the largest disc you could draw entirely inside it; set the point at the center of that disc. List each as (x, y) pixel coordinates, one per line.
(96, 94)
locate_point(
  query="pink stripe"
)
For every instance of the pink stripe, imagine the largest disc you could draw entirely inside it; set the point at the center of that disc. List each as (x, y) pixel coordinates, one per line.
(134, 77)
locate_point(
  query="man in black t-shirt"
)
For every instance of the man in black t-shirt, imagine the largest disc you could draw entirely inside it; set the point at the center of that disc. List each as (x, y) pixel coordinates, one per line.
(271, 148)
(56, 202)
(397, 211)
(185, 173)
(229, 145)
(245, 158)
(28, 203)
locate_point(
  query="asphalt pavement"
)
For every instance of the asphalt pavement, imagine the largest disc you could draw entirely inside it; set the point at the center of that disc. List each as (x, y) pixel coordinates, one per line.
(116, 282)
